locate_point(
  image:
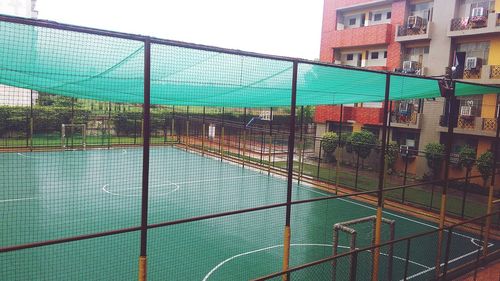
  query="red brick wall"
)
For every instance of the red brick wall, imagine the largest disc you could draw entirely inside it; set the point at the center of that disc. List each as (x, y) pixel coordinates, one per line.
(363, 36)
(368, 115)
(328, 36)
(394, 48)
(363, 115)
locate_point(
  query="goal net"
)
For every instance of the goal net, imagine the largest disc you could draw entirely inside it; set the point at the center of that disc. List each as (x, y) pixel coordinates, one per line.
(356, 234)
(73, 136)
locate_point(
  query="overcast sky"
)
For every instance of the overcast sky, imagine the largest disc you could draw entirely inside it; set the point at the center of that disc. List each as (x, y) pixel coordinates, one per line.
(279, 27)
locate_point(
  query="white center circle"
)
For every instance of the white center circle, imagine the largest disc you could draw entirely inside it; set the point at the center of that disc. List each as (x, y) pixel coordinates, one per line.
(159, 189)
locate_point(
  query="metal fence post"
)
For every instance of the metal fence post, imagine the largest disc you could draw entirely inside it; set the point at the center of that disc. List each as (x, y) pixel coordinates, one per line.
(270, 143)
(447, 253)
(109, 125)
(380, 195)
(291, 142)
(490, 191)
(203, 128)
(450, 96)
(407, 258)
(31, 121)
(145, 160)
(339, 150)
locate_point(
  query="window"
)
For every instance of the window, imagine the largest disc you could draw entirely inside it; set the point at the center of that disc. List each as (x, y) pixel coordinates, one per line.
(486, 5)
(352, 21)
(335, 126)
(377, 17)
(403, 137)
(350, 56)
(385, 54)
(476, 49)
(388, 15)
(474, 102)
(374, 55)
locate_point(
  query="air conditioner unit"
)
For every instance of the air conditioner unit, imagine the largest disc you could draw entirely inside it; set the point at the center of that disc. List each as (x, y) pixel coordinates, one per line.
(465, 110)
(478, 12)
(414, 22)
(407, 151)
(409, 66)
(471, 63)
(403, 107)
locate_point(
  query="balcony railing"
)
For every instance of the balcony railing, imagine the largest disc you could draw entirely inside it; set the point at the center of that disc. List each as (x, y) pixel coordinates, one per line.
(466, 23)
(495, 71)
(405, 31)
(403, 118)
(472, 73)
(466, 122)
(489, 124)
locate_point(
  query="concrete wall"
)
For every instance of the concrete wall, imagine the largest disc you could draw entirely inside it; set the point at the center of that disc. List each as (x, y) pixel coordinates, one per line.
(440, 45)
(429, 123)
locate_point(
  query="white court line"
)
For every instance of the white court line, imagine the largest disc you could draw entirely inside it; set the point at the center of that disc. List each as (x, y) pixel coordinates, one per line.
(104, 188)
(292, 245)
(442, 264)
(27, 156)
(177, 184)
(16, 199)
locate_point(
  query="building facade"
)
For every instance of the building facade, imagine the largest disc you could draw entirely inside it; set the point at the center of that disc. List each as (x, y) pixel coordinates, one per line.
(419, 37)
(11, 95)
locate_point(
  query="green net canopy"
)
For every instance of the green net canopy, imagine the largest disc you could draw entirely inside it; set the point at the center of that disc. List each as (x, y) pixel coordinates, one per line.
(89, 66)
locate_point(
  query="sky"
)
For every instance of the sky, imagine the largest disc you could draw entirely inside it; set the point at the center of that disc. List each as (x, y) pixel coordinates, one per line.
(279, 27)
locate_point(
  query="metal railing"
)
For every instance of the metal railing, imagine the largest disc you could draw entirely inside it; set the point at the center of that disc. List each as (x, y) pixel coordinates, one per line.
(465, 23)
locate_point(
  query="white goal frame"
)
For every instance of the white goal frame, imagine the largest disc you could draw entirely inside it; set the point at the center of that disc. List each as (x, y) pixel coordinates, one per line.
(65, 127)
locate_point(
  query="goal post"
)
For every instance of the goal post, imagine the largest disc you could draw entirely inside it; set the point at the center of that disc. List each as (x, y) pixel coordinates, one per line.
(350, 228)
(73, 136)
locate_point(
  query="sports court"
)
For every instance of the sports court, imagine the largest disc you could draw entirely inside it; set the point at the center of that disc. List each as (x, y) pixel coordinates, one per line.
(67, 193)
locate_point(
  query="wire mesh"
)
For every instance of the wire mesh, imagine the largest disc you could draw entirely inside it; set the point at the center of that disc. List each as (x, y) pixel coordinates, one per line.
(217, 179)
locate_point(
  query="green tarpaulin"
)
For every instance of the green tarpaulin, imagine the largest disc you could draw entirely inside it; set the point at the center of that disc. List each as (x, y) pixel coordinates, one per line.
(83, 65)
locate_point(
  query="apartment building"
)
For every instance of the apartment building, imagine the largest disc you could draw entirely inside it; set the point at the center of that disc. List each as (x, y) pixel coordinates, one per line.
(11, 95)
(419, 37)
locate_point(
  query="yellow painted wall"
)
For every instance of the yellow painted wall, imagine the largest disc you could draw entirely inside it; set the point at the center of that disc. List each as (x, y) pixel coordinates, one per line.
(488, 108)
(356, 127)
(494, 55)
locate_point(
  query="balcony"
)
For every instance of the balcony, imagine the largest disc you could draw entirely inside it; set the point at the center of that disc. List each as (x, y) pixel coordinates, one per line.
(405, 34)
(487, 74)
(471, 125)
(362, 36)
(474, 25)
(412, 121)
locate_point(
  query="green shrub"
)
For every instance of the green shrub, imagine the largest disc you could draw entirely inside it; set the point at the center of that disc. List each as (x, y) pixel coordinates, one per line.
(485, 165)
(434, 154)
(329, 143)
(467, 157)
(362, 143)
(392, 154)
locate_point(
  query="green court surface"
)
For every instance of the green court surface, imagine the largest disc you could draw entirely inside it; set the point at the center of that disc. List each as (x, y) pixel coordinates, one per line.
(50, 195)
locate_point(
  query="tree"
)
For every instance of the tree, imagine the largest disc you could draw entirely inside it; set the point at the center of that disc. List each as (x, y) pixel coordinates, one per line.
(434, 154)
(466, 158)
(329, 143)
(362, 143)
(391, 155)
(485, 166)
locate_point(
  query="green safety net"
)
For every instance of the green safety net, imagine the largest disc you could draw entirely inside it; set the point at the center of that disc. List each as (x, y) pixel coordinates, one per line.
(111, 69)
